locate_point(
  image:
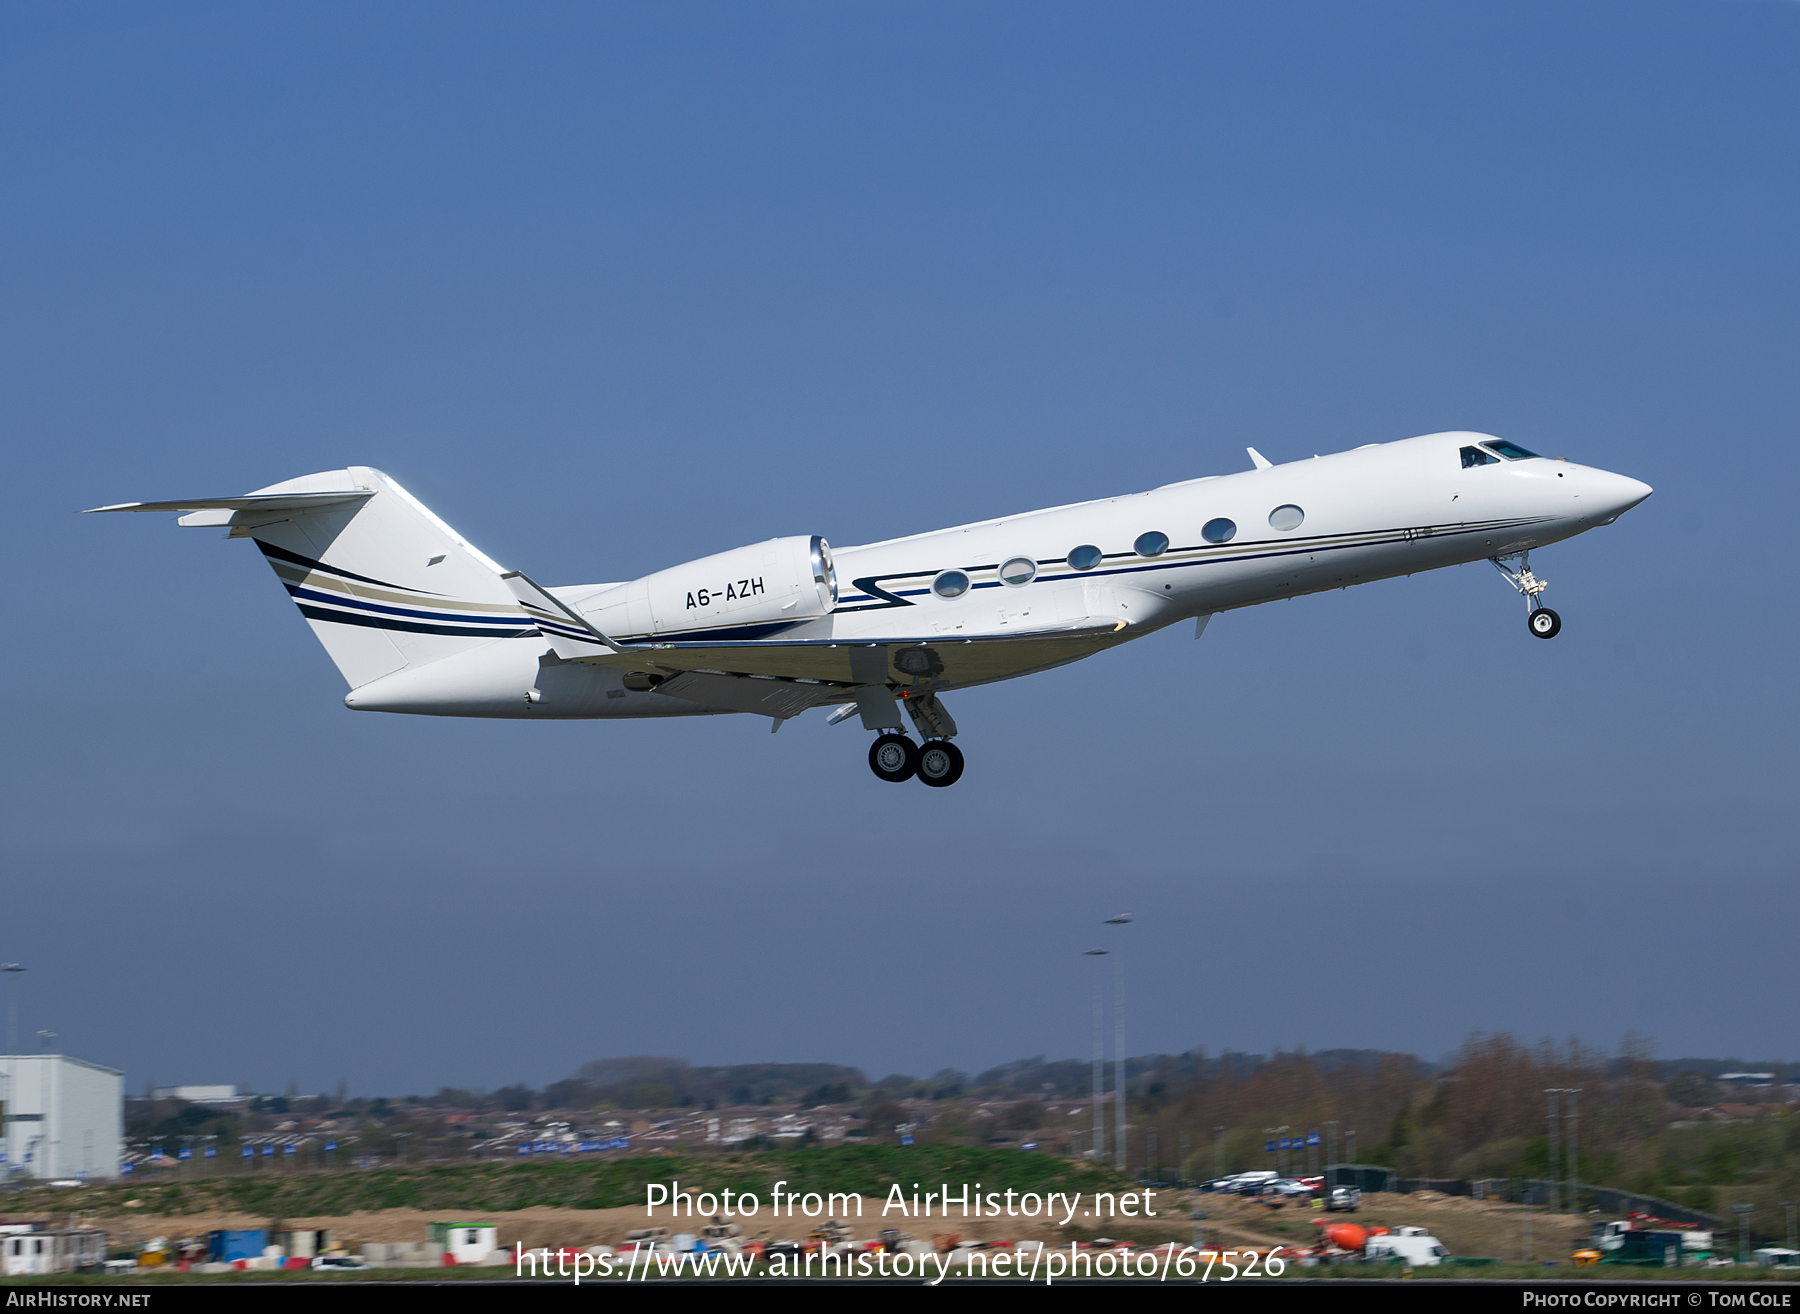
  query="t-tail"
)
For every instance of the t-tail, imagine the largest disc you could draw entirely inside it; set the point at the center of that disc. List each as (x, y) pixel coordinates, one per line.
(384, 583)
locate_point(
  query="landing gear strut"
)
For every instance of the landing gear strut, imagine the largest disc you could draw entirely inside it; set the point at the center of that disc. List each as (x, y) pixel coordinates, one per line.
(895, 757)
(1542, 622)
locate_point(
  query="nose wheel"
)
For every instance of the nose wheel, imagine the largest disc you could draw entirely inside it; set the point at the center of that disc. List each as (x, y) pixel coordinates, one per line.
(1543, 622)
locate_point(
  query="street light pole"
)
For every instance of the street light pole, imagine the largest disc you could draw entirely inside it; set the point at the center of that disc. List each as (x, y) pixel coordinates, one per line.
(1550, 1120)
(1123, 919)
(1097, 1143)
(1573, 1143)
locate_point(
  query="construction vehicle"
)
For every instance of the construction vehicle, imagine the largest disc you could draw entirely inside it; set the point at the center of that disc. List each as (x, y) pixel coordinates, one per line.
(1624, 1241)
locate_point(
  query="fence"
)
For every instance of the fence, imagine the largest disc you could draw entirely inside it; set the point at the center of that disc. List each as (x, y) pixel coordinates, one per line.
(1608, 1200)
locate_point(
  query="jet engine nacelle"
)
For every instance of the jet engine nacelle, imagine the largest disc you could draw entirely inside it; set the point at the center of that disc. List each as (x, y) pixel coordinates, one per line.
(785, 579)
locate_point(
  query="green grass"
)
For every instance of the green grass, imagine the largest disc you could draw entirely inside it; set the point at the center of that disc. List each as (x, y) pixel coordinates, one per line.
(582, 1183)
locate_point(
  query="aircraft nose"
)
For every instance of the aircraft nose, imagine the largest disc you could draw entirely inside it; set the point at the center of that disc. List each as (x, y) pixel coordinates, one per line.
(1615, 494)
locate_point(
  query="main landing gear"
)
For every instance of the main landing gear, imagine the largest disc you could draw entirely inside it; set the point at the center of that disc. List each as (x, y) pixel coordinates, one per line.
(938, 763)
(1542, 622)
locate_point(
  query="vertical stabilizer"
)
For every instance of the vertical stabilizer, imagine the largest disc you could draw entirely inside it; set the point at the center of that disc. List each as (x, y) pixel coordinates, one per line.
(383, 582)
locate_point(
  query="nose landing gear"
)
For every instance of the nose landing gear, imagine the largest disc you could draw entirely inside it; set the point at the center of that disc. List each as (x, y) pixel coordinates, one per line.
(1542, 622)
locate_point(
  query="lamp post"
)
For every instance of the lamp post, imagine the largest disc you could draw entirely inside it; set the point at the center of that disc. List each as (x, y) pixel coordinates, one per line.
(1570, 1121)
(1550, 1121)
(1123, 919)
(1571, 1144)
(1097, 1143)
(12, 1007)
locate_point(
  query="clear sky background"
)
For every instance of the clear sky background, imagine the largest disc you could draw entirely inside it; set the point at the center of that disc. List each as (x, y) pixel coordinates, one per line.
(613, 286)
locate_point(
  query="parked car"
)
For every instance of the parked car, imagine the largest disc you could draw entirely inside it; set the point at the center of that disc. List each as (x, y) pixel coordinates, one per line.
(1344, 1199)
(337, 1261)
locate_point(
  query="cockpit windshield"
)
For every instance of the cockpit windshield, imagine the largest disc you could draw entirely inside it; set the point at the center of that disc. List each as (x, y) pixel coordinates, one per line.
(1473, 456)
(1511, 451)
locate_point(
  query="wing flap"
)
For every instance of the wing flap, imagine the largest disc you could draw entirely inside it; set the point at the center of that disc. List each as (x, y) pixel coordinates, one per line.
(758, 695)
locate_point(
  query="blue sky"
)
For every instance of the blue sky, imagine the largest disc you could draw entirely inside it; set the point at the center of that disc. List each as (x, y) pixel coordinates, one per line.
(612, 286)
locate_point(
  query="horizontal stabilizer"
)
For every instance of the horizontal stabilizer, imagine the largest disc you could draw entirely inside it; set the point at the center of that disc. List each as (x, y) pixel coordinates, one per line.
(252, 502)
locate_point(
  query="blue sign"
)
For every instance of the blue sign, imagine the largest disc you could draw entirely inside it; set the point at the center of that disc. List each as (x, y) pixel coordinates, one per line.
(289, 1149)
(184, 1153)
(330, 1145)
(1313, 1139)
(124, 1170)
(524, 1149)
(2, 1156)
(246, 1152)
(1287, 1143)
(906, 1140)
(268, 1151)
(212, 1152)
(1029, 1145)
(1268, 1147)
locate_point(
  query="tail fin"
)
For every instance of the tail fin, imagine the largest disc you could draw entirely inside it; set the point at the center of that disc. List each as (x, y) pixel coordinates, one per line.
(383, 582)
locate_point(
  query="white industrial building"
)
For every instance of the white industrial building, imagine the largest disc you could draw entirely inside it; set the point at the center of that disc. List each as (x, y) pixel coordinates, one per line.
(65, 1117)
(199, 1094)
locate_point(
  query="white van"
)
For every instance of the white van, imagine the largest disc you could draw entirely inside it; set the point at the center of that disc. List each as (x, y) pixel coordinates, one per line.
(1405, 1245)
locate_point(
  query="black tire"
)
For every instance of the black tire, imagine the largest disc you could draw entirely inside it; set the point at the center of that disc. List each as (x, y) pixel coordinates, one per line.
(1545, 623)
(894, 758)
(940, 764)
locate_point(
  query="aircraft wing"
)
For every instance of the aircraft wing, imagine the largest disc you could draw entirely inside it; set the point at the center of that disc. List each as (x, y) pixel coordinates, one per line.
(943, 662)
(830, 665)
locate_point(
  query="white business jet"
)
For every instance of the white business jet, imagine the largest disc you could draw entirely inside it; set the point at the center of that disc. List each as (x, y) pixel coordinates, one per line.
(420, 621)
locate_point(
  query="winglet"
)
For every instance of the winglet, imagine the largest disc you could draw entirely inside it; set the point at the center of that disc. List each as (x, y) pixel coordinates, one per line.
(569, 633)
(1262, 462)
